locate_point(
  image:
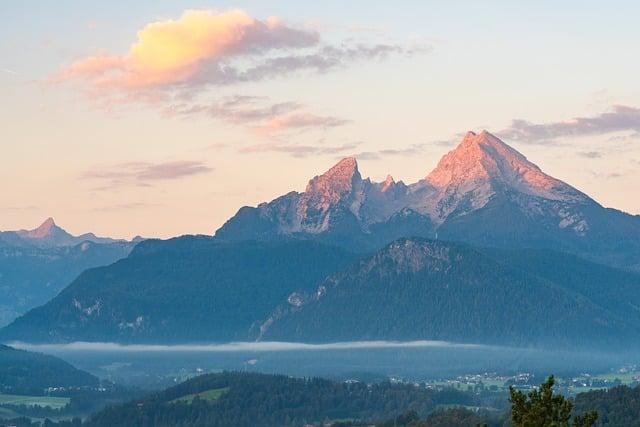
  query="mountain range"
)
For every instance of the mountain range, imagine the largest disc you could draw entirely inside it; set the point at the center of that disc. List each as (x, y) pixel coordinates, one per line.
(487, 248)
(50, 235)
(36, 264)
(483, 192)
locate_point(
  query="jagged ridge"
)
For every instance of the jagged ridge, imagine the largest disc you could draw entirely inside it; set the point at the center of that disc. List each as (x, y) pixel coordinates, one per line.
(483, 192)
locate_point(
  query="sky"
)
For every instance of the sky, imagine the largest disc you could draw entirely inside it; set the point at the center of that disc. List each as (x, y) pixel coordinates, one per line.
(162, 118)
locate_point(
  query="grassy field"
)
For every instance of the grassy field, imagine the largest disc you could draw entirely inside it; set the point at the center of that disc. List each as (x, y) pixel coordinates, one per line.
(625, 378)
(210, 395)
(53, 402)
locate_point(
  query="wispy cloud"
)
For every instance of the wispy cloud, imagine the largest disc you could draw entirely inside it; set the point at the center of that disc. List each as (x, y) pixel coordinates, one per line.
(633, 137)
(299, 121)
(610, 175)
(298, 150)
(325, 59)
(590, 154)
(237, 109)
(126, 206)
(206, 48)
(20, 208)
(258, 114)
(214, 146)
(171, 170)
(619, 118)
(408, 151)
(143, 173)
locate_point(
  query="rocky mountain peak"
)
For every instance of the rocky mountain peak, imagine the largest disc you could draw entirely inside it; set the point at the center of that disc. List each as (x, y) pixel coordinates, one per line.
(333, 185)
(481, 171)
(45, 229)
(49, 234)
(484, 160)
(342, 172)
(387, 183)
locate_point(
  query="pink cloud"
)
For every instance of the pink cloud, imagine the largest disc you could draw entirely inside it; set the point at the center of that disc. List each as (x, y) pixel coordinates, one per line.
(204, 48)
(619, 118)
(297, 150)
(143, 173)
(187, 50)
(258, 114)
(300, 121)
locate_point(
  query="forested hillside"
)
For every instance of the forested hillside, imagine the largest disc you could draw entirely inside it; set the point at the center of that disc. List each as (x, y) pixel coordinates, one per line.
(187, 289)
(24, 372)
(243, 399)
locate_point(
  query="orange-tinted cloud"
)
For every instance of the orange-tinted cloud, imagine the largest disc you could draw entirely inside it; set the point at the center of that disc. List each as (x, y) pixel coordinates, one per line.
(188, 50)
(203, 48)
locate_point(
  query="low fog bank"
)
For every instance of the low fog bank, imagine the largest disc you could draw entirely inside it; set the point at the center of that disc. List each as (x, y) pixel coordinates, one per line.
(266, 346)
(155, 366)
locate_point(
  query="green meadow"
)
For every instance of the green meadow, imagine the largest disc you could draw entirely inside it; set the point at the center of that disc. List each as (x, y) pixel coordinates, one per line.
(53, 402)
(209, 395)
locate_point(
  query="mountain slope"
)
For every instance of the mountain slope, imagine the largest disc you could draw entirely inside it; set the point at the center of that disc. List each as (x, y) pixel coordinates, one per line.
(181, 290)
(192, 289)
(483, 192)
(24, 372)
(615, 290)
(35, 265)
(420, 289)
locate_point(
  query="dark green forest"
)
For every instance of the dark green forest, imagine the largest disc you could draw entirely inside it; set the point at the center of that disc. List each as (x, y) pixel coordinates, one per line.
(198, 289)
(249, 399)
(275, 400)
(23, 372)
(447, 291)
(187, 289)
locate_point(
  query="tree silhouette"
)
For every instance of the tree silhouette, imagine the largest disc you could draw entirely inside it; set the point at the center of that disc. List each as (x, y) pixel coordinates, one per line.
(541, 408)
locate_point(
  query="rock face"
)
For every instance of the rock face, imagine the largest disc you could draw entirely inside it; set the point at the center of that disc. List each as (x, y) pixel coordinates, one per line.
(481, 167)
(337, 206)
(483, 192)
